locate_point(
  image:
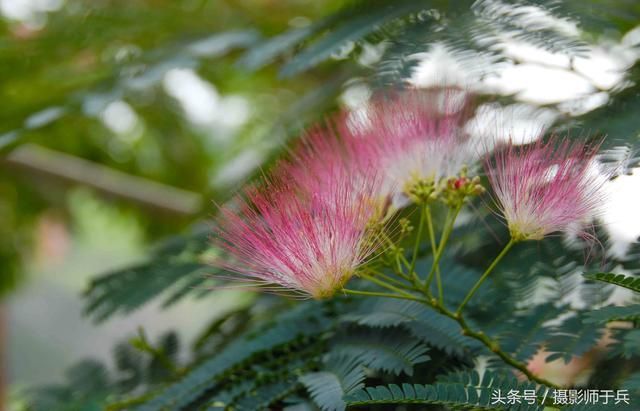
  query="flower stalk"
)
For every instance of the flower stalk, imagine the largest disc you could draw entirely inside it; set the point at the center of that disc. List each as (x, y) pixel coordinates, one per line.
(434, 248)
(446, 233)
(416, 247)
(484, 276)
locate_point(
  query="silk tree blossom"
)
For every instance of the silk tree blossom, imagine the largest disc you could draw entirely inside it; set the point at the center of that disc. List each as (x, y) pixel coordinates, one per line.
(546, 187)
(310, 243)
(414, 137)
(323, 158)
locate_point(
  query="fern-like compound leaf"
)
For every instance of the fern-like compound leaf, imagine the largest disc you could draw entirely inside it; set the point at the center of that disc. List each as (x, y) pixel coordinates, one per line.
(464, 390)
(626, 281)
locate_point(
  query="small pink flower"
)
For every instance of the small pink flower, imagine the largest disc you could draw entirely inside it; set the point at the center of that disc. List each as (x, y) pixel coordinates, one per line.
(310, 243)
(413, 136)
(545, 187)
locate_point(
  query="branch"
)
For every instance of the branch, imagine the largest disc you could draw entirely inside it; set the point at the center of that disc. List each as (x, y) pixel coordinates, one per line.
(77, 170)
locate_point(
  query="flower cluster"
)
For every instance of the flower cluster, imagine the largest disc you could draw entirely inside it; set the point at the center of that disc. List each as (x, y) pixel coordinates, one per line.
(319, 217)
(415, 138)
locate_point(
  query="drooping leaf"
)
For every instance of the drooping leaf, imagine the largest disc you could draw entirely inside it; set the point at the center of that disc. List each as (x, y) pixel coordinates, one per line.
(391, 350)
(340, 376)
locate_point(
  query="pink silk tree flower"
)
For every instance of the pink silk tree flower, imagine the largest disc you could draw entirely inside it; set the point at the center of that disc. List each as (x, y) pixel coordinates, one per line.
(546, 187)
(413, 137)
(287, 239)
(322, 159)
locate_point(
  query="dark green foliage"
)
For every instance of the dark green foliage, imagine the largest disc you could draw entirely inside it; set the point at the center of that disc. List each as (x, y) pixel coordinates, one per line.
(223, 330)
(632, 383)
(390, 350)
(265, 376)
(460, 390)
(130, 364)
(290, 327)
(267, 51)
(572, 338)
(360, 23)
(383, 312)
(173, 265)
(425, 324)
(443, 333)
(262, 397)
(628, 343)
(457, 278)
(340, 376)
(613, 313)
(524, 334)
(86, 388)
(126, 290)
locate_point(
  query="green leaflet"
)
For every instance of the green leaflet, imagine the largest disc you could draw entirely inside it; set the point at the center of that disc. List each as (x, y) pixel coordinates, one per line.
(613, 313)
(626, 281)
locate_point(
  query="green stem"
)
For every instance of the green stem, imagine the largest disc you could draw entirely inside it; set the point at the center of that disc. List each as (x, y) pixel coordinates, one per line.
(484, 276)
(446, 232)
(404, 260)
(379, 294)
(388, 286)
(399, 258)
(432, 237)
(393, 280)
(142, 344)
(492, 345)
(416, 247)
